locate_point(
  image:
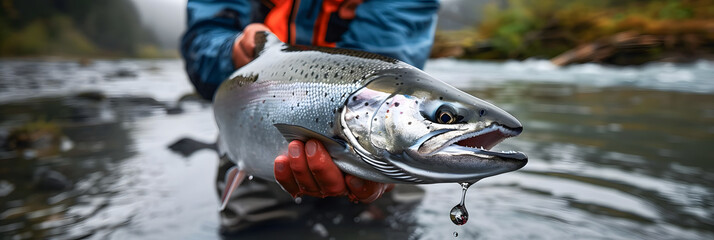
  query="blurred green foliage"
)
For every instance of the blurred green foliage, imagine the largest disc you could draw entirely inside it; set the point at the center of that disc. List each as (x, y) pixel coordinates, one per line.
(72, 28)
(546, 28)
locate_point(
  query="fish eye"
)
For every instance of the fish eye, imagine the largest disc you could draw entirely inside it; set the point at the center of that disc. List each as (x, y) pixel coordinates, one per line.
(445, 115)
(446, 118)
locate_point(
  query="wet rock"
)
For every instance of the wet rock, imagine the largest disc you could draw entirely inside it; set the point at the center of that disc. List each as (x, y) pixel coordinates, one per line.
(137, 105)
(6, 188)
(18, 139)
(320, 230)
(187, 146)
(153, 68)
(51, 180)
(192, 97)
(3, 138)
(122, 73)
(4, 155)
(91, 95)
(174, 110)
(35, 135)
(136, 101)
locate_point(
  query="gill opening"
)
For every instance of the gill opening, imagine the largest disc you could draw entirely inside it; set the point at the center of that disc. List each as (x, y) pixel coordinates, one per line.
(384, 166)
(375, 115)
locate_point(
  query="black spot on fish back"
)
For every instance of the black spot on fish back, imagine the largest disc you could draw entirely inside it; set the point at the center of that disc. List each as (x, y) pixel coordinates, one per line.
(339, 51)
(240, 80)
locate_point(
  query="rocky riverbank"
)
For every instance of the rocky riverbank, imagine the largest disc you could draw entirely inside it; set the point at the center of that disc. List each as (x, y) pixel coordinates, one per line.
(628, 33)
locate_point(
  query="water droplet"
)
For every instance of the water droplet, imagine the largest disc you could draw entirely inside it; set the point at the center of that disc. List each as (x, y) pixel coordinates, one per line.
(458, 214)
(298, 200)
(250, 177)
(456, 234)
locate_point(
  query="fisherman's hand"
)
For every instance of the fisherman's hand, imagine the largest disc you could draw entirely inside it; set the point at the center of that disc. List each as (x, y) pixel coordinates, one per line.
(244, 45)
(308, 169)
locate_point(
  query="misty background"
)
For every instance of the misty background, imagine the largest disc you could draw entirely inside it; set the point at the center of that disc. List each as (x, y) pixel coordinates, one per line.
(617, 32)
(165, 18)
(168, 23)
(126, 28)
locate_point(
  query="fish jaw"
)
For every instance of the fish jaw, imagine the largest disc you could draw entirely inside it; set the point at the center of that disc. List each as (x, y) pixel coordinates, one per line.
(465, 158)
(465, 165)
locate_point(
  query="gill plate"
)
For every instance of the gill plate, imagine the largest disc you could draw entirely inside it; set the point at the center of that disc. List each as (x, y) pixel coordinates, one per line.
(385, 167)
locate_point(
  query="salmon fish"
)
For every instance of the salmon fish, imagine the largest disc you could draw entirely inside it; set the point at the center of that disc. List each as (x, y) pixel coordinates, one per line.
(379, 118)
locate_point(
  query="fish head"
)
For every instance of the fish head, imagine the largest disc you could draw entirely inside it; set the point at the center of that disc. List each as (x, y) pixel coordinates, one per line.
(417, 128)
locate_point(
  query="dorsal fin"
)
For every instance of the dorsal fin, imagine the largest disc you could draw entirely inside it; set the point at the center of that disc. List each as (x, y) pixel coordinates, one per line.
(265, 40)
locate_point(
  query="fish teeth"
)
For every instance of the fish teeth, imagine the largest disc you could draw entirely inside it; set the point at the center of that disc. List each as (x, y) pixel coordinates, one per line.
(506, 131)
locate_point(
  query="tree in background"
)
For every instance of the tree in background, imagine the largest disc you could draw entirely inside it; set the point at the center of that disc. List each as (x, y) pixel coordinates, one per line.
(71, 27)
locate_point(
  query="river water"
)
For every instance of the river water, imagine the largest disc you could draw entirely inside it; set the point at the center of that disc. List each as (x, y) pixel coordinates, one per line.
(614, 153)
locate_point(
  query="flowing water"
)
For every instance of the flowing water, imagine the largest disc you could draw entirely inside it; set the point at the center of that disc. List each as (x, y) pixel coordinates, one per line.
(614, 153)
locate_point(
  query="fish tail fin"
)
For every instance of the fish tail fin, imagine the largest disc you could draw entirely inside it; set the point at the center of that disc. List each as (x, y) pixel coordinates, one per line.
(265, 40)
(234, 178)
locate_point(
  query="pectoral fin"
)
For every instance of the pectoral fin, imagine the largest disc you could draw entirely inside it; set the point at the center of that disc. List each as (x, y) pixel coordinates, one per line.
(234, 178)
(293, 132)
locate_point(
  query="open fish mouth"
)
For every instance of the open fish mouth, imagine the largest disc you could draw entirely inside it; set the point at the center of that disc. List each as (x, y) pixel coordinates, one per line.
(480, 143)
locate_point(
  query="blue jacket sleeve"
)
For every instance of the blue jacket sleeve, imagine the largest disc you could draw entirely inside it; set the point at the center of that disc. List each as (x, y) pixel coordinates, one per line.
(207, 44)
(402, 29)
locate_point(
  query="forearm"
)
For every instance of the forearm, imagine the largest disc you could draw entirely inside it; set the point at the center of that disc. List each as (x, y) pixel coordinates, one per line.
(212, 27)
(207, 53)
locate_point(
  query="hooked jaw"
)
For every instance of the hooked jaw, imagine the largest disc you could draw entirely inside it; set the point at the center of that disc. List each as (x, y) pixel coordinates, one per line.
(467, 156)
(481, 142)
